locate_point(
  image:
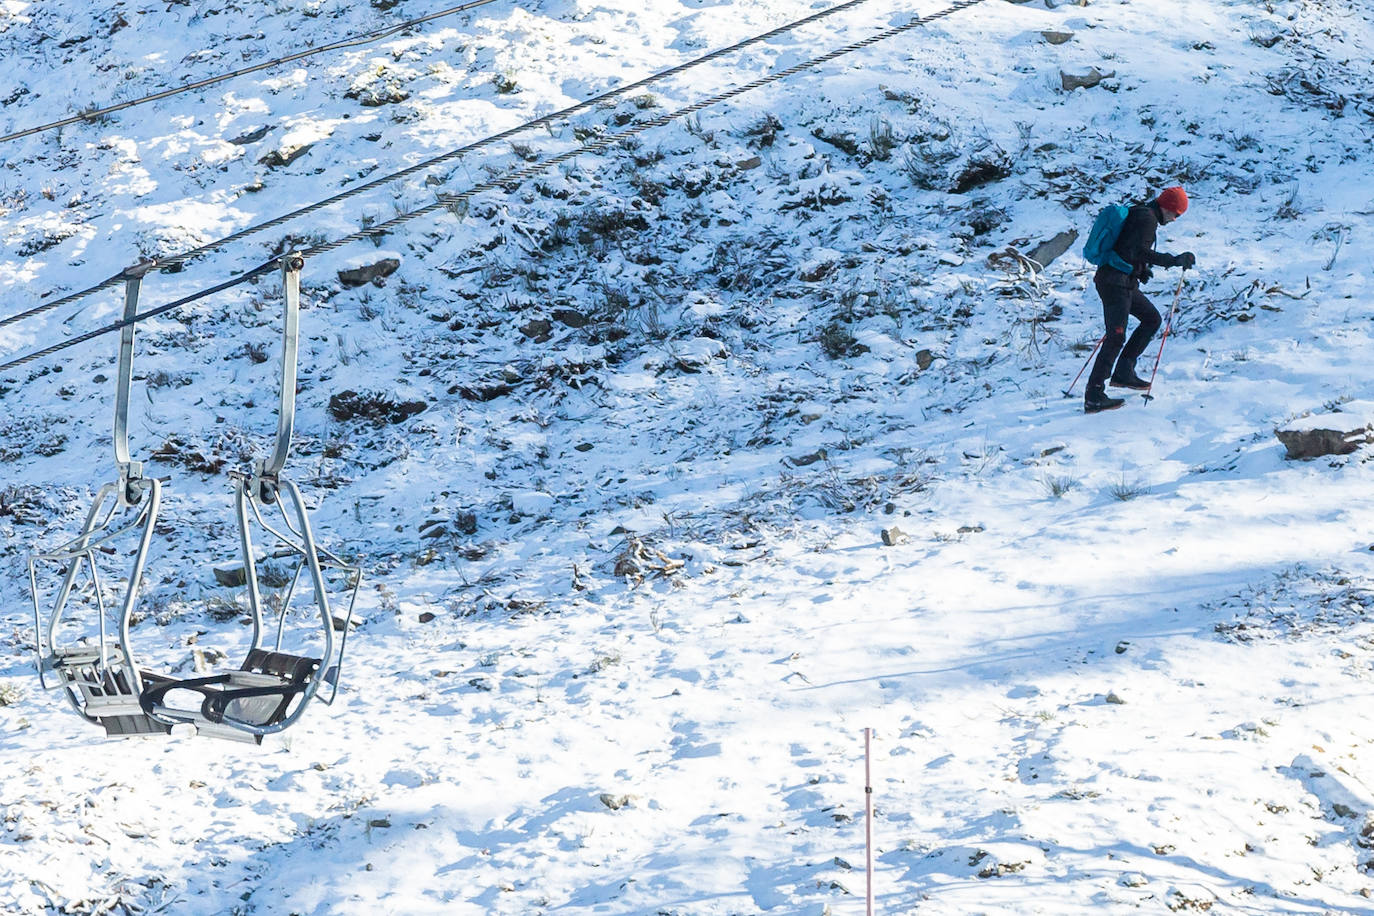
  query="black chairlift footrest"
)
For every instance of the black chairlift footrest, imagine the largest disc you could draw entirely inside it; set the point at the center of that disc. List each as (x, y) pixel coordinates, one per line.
(293, 671)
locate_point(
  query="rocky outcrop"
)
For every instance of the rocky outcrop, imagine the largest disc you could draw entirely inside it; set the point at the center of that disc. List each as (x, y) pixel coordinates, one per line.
(1072, 81)
(370, 273)
(1338, 432)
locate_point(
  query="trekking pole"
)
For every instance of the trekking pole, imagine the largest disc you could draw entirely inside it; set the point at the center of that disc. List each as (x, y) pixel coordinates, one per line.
(1068, 392)
(1168, 326)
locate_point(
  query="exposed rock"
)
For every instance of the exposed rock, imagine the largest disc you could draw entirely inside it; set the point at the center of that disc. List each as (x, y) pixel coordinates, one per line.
(1045, 253)
(371, 273)
(615, 802)
(894, 536)
(461, 523)
(231, 576)
(538, 329)
(1319, 441)
(1072, 81)
(571, 318)
(252, 136)
(1115, 699)
(1055, 37)
(285, 155)
(923, 359)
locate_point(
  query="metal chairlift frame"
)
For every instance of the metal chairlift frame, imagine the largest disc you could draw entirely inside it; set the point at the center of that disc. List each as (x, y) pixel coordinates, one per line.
(271, 674)
(128, 700)
(99, 681)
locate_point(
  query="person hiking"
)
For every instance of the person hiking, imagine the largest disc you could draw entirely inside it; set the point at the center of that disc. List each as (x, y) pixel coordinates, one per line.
(1121, 297)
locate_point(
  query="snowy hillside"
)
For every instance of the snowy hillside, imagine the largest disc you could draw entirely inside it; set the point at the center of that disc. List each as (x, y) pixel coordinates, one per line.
(675, 465)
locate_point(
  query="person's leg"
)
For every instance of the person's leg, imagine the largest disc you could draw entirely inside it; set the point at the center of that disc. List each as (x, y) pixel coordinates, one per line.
(1149, 319)
(1116, 305)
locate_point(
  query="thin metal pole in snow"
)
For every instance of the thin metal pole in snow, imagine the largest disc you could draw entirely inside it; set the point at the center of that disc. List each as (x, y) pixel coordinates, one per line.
(868, 813)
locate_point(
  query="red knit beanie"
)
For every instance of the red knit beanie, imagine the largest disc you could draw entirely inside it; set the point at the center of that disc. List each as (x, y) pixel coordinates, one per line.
(1174, 199)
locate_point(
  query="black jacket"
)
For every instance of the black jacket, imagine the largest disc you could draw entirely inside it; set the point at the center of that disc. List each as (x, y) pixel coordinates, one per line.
(1136, 246)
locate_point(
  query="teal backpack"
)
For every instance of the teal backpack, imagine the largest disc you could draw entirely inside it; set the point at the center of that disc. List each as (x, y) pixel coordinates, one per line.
(1102, 238)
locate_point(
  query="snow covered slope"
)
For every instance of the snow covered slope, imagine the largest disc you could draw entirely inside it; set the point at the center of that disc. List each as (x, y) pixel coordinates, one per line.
(628, 608)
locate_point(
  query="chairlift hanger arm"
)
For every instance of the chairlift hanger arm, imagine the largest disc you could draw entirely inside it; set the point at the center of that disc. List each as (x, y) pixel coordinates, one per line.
(265, 478)
(131, 483)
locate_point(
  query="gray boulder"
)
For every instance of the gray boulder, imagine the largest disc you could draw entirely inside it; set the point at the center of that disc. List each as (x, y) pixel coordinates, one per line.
(1338, 432)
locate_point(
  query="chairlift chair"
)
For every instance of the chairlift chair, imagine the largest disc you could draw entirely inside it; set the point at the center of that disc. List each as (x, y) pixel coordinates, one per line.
(272, 688)
(100, 679)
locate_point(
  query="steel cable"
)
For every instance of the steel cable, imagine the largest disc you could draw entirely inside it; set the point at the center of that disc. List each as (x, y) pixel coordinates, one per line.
(510, 179)
(210, 81)
(167, 263)
(141, 316)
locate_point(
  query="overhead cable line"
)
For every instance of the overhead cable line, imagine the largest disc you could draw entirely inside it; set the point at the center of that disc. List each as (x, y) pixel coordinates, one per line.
(509, 180)
(92, 114)
(167, 263)
(142, 316)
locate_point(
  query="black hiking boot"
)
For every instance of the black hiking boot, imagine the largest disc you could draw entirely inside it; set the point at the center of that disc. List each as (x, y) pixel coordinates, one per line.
(1129, 380)
(1097, 400)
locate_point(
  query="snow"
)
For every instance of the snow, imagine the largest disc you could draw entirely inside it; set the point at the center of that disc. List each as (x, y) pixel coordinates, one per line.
(1116, 663)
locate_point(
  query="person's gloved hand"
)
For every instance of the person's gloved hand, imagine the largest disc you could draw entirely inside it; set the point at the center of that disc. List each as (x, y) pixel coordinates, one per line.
(1146, 272)
(1185, 260)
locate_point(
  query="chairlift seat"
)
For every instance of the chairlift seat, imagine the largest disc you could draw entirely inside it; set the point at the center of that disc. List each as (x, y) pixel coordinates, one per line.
(107, 694)
(258, 694)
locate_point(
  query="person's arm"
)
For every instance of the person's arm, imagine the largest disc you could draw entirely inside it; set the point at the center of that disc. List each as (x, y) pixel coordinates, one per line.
(1136, 242)
(1136, 245)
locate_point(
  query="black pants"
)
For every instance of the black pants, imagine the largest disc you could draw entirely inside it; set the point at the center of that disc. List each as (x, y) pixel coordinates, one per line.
(1117, 352)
